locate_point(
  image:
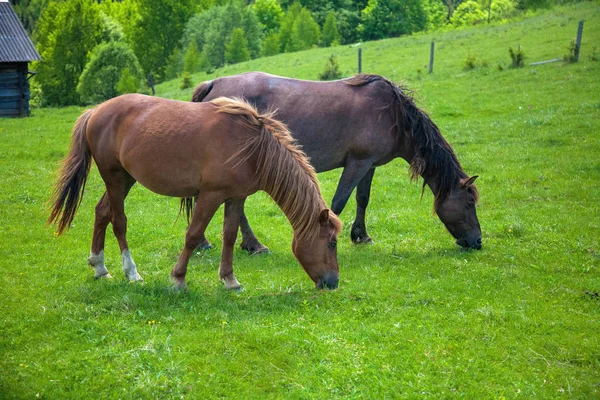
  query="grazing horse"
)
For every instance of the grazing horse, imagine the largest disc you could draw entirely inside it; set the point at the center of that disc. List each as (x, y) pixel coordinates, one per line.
(219, 152)
(358, 124)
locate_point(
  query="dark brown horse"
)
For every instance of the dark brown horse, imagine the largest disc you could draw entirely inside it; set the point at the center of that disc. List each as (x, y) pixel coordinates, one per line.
(359, 124)
(220, 152)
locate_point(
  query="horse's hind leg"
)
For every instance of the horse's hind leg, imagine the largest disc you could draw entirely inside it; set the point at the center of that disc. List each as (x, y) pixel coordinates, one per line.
(118, 185)
(358, 233)
(96, 260)
(205, 208)
(249, 241)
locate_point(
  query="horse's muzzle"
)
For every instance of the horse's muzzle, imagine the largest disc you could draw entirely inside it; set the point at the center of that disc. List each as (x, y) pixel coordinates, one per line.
(328, 281)
(470, 244)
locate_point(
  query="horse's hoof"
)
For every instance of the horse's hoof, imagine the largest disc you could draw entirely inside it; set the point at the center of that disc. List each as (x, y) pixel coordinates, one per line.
(204, 246)
(260, 250)
(255, 248)
(363, 240)
(105, 276)
(135, 278)
(231, 283)
(178, 284)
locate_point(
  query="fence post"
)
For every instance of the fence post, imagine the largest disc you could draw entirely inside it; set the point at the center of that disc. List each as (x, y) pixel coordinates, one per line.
(151, 83)
(431, 52)
(578, 43)
(359, 60)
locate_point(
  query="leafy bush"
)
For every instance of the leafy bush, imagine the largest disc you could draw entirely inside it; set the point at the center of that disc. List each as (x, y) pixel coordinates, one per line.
(331, 71)
(502, 9)
(104, 71)
(436, 14)
(570, 56)
(467, 13)
(470, 62)
(517, 57)
(128, 83)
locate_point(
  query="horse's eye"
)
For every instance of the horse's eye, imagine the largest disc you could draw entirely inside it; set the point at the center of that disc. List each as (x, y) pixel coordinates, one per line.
(332, 244)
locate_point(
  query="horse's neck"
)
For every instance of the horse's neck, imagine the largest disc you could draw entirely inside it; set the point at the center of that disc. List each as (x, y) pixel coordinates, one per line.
(406, 149)
(296, 201)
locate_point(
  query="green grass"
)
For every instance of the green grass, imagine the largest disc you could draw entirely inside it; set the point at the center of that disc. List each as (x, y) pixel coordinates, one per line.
(414, 316)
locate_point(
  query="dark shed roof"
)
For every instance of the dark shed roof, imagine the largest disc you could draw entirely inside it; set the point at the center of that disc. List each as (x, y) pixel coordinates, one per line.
(15, 45)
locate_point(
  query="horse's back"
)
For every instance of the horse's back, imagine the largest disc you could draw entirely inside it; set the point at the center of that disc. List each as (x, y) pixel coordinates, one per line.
(171, 147)
(329, 119)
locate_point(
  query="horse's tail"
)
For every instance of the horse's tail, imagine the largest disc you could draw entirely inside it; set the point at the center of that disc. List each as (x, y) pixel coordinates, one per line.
(68, 190)
(187, 204)
(202, 91)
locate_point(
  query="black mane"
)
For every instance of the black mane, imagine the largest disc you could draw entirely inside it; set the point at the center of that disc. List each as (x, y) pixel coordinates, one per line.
(434, 157)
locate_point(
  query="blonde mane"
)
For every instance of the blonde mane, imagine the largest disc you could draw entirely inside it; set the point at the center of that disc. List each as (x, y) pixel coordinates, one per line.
(283, 169)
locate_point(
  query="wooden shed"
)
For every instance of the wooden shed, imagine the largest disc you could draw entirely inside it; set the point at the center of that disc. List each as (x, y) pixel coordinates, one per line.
(16, 51)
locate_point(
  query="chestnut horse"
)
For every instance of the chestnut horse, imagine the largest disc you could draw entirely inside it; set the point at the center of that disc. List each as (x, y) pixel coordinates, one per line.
(358, 124)
(219, 152)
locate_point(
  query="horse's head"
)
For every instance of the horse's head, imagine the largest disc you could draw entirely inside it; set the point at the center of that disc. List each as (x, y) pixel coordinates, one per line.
(458, 214)
(318, 255)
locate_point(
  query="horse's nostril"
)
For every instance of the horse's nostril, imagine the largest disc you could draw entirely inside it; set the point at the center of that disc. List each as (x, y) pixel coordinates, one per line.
(479, 241)
(329, 281)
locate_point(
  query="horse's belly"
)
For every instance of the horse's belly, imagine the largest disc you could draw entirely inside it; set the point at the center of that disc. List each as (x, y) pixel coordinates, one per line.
(167, 184)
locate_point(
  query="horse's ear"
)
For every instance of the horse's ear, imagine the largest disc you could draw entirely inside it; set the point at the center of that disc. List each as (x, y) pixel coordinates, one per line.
(469, 181)
(324, 217)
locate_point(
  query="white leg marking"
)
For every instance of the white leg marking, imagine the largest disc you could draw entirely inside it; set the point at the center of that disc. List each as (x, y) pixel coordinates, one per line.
(129, 267)
(96, 261)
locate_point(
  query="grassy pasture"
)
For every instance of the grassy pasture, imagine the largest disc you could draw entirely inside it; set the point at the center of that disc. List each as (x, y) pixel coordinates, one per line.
(414, 316)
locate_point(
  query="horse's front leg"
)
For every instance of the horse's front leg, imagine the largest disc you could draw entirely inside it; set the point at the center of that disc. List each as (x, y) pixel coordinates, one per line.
(355, 171)
(206, 207)
(233, 211)
(358, 233)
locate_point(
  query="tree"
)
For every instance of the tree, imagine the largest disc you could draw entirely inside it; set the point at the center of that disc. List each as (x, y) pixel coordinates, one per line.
(158, 30)
(331, 35)
(227, 18)
(391, 18)
(347, 15)
(269, 13)
(197, 26)
(501, 9)
(437, 15)
(67, 31)
(104, 72)
(287, 26)
(467, 13)
(191, 60)
(270, 45)
(237, 49)
(451, 6)
(305, 33)
(29, 11)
